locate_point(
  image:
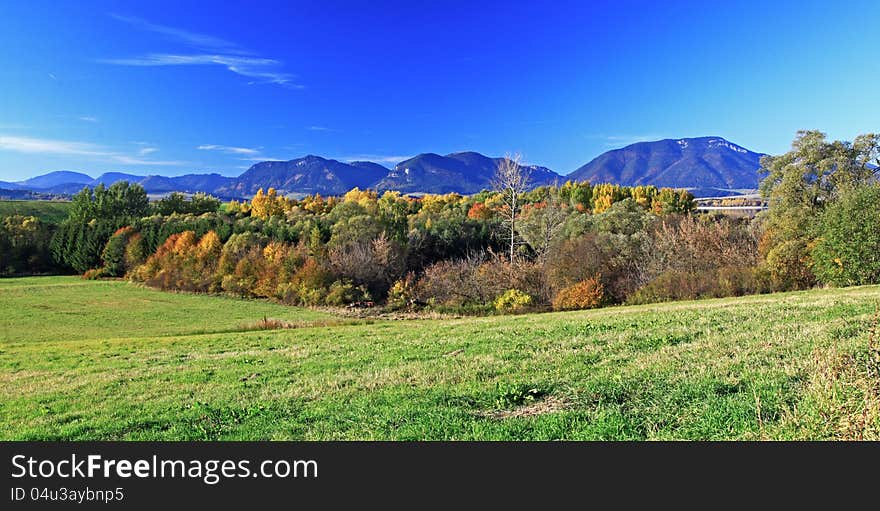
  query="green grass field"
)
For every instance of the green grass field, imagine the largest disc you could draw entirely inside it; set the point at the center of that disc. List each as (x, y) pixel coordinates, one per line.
(110, 360)
(52, 212)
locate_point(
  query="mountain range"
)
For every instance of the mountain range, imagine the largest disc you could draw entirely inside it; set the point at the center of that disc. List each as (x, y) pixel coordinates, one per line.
(706, 165)
(704, 162)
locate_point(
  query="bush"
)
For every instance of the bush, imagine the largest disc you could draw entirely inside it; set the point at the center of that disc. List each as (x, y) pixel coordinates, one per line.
(788, 266)
(513, 300)
(342, 293)
(454, 282)
(24, 245)
(586, 294)
(515, 394)
(114, 254)
(403, 293)
(95, 274)
(847, 252)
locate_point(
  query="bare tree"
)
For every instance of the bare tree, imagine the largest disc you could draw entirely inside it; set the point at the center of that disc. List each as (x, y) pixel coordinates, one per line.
(542, 226)
(375, 263)
(511, 181)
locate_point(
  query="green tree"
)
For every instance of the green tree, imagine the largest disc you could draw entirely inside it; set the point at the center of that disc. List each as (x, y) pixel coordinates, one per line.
(798, 185)
(847, 250)
(113, 254)
(95, 214)
(24, 245)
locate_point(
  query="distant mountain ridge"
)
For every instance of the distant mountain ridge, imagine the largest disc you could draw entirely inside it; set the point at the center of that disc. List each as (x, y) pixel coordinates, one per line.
(465, 172)
(705, 164)
(66, 182)
(310, 174)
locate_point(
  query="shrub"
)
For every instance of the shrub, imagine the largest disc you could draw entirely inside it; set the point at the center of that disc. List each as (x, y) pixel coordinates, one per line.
(95, 274)
(787, 265)
(114, 253)
(454, 282)
(342, 293)
(516, 394)
(512, 300)
(586, 294)
(372, 263)
(848, 249)
(403, 292)
(24, 245)
(135, 251)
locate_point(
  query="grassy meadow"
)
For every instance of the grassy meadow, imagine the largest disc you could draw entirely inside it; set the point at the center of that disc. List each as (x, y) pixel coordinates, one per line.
(52, 212)
(110, 360)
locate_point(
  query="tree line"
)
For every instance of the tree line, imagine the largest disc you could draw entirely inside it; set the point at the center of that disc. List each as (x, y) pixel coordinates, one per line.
(567, 246)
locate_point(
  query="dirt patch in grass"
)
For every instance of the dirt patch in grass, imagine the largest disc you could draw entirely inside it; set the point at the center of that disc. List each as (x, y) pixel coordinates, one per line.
(280, 324)
(550, 404)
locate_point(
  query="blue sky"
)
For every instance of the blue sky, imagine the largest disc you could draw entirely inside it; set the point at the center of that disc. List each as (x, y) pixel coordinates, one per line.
(172, 87)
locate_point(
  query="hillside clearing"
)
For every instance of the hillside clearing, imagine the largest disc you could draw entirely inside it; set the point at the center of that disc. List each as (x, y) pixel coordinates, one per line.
(48, 211)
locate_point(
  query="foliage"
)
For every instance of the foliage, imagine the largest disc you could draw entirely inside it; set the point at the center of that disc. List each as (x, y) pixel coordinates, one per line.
(586, 294)
(113, 255)
(798, 185)
(403, 293)
(645, 243)
(513, 300)
(847, 249)
(25, 245)
(95, 214)
(516, 394)
(542, 224)
(120, 200)
(269, 204)
(95, 274)
(176, 202)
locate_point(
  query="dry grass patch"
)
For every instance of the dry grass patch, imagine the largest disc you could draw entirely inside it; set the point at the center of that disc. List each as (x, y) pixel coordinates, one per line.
(843, 392)
(550, 404)
(279, 324)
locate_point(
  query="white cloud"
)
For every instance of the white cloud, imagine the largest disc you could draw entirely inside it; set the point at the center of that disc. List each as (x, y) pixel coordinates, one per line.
(376, 158)
(228, 149)
(319, 128)
(244, 153)
(262, 158)
(251, 67)
(131, 160)
(87, 118)
(184, 36)
(625, 140)
(208, 50)
(47, 146)
(44, 146)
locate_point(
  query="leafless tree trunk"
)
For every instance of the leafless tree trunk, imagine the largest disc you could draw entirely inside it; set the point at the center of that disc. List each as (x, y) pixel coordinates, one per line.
(511, 180)
(542, 227)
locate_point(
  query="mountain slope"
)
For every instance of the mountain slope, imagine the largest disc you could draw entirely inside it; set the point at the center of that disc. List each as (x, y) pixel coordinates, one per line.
(465, 172)
(53, 179)
(310, 174)
(108, 178)
(706, 162)
(208, 183)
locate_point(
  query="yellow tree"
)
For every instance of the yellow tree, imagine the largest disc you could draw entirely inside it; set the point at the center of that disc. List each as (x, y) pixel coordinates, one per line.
(268, 204)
